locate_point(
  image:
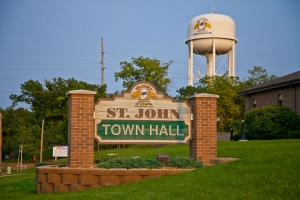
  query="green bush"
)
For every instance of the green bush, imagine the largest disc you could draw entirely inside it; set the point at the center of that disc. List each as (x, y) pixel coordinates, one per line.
(104, 159)
(184, 162)
(236, 125)
(271, 122)
(236, 137)
(294, 135)
(130, 163)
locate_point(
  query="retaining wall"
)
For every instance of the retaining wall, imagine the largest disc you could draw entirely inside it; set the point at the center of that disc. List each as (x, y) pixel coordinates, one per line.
(50, 179)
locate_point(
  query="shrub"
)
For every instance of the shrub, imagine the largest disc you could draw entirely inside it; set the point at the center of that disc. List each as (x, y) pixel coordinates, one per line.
(294, 135)
(236, 137)
(130, 163)
(184, 162)
(271, 122)
(236, 125)
(104, 159)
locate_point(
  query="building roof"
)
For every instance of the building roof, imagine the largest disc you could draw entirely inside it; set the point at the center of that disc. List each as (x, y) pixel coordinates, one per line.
(290, 79)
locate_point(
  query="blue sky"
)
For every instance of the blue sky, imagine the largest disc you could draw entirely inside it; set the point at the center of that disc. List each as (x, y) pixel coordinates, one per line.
(62, 38)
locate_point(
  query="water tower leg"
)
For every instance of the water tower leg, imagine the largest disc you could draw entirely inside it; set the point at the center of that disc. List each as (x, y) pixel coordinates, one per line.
(190, 64)
(229, 63)
(209, 65)
(231, 60)
(211, 61)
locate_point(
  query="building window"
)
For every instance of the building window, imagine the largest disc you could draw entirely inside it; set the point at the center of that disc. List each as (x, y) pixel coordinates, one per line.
(280, 98)
(253, 103)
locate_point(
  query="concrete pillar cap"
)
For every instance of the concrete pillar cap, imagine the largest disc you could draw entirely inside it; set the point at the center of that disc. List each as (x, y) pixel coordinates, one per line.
(203, 95)
(80, 92)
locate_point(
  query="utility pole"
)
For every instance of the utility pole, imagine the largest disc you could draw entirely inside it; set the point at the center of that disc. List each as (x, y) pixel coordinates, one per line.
(42, 135)
(102, 61)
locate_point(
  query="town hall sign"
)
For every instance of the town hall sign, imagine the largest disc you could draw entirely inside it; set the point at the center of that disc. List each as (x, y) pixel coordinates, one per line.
(142, 115)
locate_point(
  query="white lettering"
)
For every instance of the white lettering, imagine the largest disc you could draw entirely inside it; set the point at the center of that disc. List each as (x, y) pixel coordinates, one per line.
(163, 130)
(105, 128)
(170, 131)
(113, 129)
(127, 129)
(156, 130)
(178, 131)
(137, 128)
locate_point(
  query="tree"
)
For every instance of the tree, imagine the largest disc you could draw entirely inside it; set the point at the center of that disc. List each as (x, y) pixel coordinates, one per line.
(184, 92)
(29, 137)
(230, 105)
(49, 101)
(144, 69)
(13, 123)
(258, 76)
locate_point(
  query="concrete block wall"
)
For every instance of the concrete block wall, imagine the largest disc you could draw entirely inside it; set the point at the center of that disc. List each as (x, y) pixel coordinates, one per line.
(204, 127)
(50, 179)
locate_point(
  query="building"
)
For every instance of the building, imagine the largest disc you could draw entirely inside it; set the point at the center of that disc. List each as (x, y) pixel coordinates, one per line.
(283, 91)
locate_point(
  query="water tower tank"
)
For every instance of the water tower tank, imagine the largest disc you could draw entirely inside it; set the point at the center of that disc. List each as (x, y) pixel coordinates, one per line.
(211, 35)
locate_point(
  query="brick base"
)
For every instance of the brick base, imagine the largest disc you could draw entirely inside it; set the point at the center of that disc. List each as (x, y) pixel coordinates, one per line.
(50, 179)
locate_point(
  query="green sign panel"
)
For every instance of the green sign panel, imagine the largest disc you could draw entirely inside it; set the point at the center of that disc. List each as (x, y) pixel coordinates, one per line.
(142, 130)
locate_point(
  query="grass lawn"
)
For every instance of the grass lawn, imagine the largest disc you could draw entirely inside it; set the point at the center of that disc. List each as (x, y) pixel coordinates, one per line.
(266, 170)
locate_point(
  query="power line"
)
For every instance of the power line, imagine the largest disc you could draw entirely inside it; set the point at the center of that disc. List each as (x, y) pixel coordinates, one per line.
(49, 63)
(111, 53)
(47, 52)
(74, 68)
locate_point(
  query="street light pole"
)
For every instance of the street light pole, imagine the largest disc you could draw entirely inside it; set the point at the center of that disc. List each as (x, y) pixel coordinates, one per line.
(218, 122)
(243, 135)
(231, 134)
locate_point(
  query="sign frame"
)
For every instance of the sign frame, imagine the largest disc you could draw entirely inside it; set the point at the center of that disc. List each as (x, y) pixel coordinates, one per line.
(136, 110)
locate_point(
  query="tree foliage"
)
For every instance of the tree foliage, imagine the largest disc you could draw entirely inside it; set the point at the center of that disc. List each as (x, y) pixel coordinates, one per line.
(187, 91)
(271, 122)
(47, 101)
(258, 75)
(14, 122)
(230, 105)
(144, 69)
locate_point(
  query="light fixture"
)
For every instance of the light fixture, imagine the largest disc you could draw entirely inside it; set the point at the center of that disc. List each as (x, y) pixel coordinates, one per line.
(163, 158)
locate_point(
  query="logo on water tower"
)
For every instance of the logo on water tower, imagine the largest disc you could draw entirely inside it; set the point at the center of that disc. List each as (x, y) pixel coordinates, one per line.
(202, 24)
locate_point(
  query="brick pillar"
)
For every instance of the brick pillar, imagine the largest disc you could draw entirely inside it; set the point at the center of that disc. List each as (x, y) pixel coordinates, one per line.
(81, 128)
(204, 127)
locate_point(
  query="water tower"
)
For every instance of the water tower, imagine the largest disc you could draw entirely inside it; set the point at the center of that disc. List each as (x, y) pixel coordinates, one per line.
(211, 35)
